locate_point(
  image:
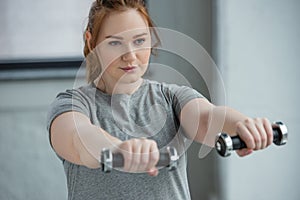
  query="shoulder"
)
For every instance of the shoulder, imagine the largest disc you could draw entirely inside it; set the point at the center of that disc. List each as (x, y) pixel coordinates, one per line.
(75, 99)
(72, 99)
(80, 92)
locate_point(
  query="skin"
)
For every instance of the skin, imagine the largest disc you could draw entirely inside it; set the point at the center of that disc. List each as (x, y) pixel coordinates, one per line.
(124, 41)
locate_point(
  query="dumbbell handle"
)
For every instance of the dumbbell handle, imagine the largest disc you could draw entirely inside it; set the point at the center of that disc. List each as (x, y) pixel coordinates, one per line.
(238, 143)
(226, 144)
(118, 160)
(166, 159)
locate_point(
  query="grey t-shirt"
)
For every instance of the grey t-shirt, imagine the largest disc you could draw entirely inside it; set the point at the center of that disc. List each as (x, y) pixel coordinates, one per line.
(152, 111)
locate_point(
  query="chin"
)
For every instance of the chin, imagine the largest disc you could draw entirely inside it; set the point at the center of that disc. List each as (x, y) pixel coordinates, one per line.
(131, 78)
(128, 79)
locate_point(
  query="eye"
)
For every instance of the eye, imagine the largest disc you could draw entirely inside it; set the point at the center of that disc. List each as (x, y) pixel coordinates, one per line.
(114, 43)
(139, 41)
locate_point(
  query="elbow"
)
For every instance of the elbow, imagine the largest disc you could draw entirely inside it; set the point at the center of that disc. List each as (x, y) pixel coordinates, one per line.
(89, 163)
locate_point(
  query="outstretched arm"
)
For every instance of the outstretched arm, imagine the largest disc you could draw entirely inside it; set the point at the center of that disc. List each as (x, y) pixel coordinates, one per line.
(202, 121)
(75, 139)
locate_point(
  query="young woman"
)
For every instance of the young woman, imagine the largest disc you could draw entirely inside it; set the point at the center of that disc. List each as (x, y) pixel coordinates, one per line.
(120, 110)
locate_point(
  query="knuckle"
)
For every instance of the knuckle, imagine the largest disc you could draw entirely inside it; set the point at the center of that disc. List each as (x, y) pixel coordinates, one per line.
(239, 126)
(248, 120)
(135, 141)
(125, 145)
(257, 119)
(265, 120)
(153, 143)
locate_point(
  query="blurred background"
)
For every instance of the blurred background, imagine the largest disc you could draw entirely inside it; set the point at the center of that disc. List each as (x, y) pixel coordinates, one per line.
(255, 45)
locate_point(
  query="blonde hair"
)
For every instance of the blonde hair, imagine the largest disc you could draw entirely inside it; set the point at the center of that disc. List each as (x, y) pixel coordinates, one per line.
(98, 11)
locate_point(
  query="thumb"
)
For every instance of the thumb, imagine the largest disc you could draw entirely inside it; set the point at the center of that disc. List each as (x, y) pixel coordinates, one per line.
(153, 172)
(244, 152)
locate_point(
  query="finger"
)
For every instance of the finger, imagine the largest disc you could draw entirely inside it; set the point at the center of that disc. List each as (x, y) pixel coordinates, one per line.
(251, 126)
(245, 135)
(261, 130)
(136, 155)
(126, 151)
(145, 156)
(154, 155)
(269, 131)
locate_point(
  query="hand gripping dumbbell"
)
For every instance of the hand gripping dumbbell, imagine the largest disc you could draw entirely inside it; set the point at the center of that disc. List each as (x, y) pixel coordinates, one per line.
(109, 160)
(226, 144)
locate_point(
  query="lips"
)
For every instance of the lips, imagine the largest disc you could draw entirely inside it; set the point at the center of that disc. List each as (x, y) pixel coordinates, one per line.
(128, 68)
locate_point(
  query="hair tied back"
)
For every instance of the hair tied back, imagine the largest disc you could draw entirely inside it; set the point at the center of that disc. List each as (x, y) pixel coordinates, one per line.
(108, 3)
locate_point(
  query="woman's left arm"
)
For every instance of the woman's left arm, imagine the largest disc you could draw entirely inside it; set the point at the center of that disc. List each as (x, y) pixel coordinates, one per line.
(202, 121)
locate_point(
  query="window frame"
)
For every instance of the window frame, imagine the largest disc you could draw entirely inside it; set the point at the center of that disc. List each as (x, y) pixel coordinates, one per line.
(33, 69)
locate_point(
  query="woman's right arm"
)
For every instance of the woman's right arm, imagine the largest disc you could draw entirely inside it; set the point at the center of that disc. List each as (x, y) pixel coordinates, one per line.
(75, 139)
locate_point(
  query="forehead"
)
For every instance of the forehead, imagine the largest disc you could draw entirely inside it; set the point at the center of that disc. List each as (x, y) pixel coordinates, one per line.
(126, 23)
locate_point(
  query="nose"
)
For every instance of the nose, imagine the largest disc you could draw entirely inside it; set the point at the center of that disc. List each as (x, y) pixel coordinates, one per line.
(129, 55)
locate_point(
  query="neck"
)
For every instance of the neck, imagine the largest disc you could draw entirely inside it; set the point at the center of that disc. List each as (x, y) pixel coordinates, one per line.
(118, 88)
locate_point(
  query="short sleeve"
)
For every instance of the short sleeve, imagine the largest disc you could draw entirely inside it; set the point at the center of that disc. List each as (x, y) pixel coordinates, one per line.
(70, 100)
(181, 95)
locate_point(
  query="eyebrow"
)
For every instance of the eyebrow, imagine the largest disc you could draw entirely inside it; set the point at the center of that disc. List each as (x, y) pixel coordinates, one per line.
(121, 38)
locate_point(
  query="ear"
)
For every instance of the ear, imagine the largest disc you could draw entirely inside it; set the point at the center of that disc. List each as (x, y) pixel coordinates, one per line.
(88, 38)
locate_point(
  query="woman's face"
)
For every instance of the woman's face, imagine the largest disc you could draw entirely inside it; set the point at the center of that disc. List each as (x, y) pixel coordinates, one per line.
(124, 47)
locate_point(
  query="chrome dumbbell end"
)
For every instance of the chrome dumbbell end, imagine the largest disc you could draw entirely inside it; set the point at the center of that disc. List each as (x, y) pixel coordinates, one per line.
(173, 155)
(224, 144)
(106, 160)
(282, 131)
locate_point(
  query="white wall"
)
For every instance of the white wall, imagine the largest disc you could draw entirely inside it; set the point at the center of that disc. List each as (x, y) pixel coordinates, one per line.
(29, 168)
(258, 50)
(42, 29)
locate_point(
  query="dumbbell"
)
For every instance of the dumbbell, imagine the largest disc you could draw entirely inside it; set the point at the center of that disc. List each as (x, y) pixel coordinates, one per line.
(226, 144)
(109, 160)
